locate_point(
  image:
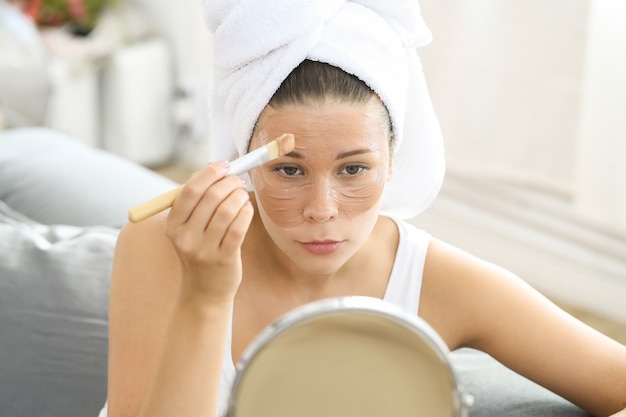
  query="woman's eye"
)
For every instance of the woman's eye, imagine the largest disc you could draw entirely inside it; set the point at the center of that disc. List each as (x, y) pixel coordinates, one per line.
(288, 171)
(353, 169)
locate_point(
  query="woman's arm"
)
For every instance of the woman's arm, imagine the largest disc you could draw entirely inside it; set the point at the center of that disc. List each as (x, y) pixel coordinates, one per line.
(172, 290)
(476, 304)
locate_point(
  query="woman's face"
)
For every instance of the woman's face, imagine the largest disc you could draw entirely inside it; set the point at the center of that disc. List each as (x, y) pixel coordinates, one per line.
(320, 202)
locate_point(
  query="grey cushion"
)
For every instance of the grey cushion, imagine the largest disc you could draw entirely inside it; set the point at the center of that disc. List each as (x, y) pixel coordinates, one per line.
(54, 179)
(54, 283)
(500, 392)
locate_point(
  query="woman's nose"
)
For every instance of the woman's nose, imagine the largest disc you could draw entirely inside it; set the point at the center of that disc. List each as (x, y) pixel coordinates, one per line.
(321, 205)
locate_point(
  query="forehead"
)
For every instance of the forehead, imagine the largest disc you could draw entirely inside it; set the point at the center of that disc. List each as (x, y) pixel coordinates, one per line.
(330, 123)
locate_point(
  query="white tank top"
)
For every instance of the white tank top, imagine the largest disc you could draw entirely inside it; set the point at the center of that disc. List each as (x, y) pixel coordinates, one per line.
(403, 289)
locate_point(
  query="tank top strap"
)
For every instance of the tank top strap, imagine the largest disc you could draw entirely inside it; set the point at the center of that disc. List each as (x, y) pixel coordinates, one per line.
(405, 283)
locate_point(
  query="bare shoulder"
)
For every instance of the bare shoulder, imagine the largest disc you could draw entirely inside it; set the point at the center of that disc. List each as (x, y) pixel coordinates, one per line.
(144, 257)
(147, 237)
(474, 303)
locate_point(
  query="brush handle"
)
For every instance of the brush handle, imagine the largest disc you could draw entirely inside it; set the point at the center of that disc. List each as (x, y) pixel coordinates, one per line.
(237, 167)
(154, 206)
(165, 201)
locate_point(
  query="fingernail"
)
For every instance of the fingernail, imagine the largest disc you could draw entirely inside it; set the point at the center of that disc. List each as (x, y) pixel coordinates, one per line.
(224, 164)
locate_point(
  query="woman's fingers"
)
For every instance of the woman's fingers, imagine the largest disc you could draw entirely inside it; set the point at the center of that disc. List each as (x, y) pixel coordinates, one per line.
(231, 221)
(193, 191)
(208, 210)
(238, 228)
(213, 207)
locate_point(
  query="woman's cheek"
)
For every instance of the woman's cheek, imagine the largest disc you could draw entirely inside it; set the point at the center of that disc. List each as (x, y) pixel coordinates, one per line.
(353, 201)
(280, 206)
(282, 210)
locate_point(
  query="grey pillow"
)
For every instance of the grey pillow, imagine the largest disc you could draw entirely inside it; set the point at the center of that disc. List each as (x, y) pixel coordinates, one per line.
(500, 392)
(54, 285)
(55, 179)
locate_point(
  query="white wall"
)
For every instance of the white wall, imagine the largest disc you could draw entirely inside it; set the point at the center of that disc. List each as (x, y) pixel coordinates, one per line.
(531, 95)
(601, 165)
(506, 81)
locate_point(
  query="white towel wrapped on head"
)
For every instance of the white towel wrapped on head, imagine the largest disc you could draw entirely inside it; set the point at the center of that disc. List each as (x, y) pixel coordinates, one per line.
(256, 45)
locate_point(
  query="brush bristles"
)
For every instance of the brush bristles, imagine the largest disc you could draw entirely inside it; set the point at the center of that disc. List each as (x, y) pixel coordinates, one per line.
(281, 145)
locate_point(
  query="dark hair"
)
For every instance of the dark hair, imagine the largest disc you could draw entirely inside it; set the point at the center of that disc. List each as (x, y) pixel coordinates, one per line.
(313, 82)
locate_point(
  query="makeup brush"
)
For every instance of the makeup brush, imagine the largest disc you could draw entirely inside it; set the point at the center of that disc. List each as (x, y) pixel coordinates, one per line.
(278, 147)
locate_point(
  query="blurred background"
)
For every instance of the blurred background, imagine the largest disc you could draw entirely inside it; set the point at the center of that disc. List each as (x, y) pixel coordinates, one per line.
(531, 96)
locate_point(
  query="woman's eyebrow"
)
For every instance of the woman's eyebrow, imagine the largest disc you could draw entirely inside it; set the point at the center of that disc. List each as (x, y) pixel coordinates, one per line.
(298, 155)
(354, 152)
(294, 154)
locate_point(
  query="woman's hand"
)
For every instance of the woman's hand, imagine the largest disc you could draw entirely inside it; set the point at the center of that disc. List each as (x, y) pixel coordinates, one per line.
(207, 225)
(619, 414)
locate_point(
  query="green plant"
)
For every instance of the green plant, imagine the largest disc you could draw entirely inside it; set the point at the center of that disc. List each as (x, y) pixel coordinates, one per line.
(81, 15)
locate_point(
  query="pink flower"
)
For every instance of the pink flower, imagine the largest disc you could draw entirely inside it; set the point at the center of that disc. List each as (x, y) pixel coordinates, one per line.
(31, 8)
(77, 9)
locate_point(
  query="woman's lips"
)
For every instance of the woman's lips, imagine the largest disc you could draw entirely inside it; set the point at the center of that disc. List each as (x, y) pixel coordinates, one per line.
(324, 247)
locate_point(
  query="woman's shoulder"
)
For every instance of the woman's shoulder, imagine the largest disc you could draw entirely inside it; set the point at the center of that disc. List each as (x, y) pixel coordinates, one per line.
(454, 280)
(144, 245)
(151, 229)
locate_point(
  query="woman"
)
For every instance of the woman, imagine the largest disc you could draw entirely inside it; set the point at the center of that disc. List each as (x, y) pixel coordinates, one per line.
(192, 287)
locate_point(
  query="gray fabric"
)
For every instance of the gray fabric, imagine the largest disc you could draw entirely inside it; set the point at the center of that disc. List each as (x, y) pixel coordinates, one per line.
(54, 179)
(54, 283)
(500, 392)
